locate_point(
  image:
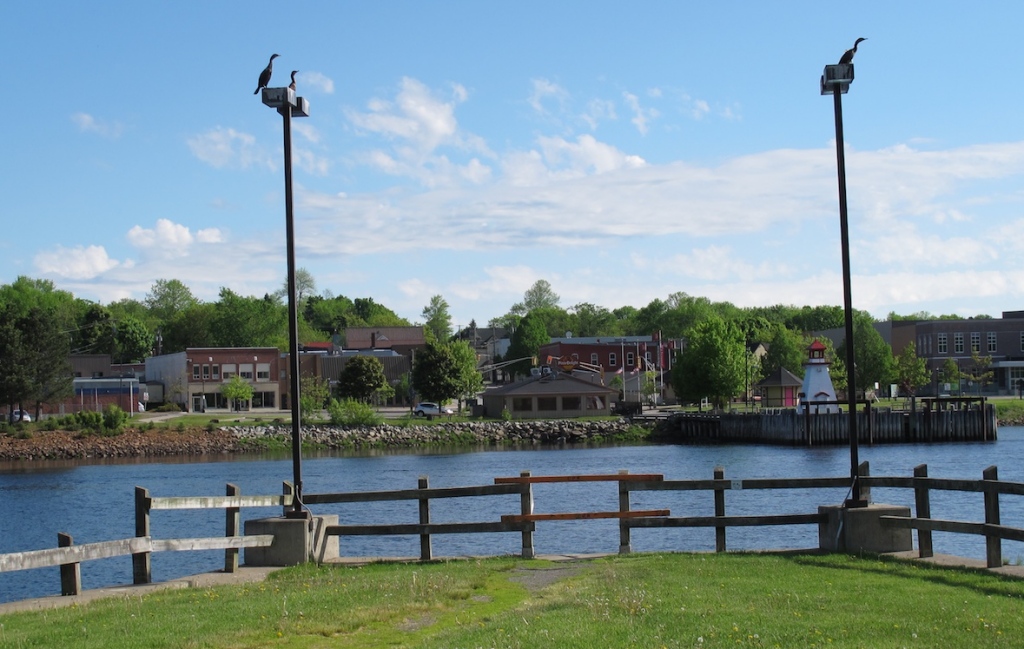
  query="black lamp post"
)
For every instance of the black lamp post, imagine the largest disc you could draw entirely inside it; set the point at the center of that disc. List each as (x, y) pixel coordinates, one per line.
(288, 105)
(836, 81)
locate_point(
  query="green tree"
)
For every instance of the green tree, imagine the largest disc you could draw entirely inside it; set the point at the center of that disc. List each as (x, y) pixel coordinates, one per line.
(873, 360)
(980, 372)
(249, 321)
(592, 320)
(237, 390)
(438, 321)
(786, 348)
(713, 364)
(951, 374)
(911, 370)
(168, 297)
(436, 373)
(537, 296)
(314, 393)
(470, 380)
(132, 339)
(361, 377)
(525, 344)
(190, 327)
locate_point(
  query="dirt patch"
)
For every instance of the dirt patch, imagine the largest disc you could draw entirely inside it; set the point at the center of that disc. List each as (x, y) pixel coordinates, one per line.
(536, 579)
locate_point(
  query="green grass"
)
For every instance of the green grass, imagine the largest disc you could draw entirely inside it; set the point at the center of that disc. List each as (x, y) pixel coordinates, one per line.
(657, 600)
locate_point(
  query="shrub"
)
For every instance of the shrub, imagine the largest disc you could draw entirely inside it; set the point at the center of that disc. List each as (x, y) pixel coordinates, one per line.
(114, 418)
(167, 407)
(349, 412)
(89, 420)
(505, 414)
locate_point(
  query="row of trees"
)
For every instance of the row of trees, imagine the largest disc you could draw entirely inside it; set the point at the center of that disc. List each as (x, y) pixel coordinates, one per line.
(41, 325)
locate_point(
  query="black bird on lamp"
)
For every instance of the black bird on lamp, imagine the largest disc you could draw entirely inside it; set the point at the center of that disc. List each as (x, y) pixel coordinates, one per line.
(847, 56)
(265, 75)
(291, 86)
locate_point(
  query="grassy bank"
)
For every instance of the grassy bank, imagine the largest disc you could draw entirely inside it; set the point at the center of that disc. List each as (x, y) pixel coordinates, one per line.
(677, 600)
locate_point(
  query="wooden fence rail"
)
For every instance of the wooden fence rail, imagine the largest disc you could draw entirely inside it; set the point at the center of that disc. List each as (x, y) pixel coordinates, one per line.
(69, 556)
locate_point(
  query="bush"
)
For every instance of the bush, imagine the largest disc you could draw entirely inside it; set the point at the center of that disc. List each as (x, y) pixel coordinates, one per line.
(350, 412)
(167, 407)
(114, 418)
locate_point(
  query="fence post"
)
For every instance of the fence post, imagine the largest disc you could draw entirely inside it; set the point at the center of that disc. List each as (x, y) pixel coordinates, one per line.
(142, 572)
(288, 489)
(719, 510)
(923, 507)
(232, 527)
(624, 543)
(864, 471)
(993, 544)
(526, 508)
(70, 573)
(425, 553)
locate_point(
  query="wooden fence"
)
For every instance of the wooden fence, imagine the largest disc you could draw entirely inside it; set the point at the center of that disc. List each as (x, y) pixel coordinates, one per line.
(993, 529)
(69, 556)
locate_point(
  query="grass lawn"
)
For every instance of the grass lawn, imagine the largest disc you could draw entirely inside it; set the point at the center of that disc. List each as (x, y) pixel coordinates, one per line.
(647, 600)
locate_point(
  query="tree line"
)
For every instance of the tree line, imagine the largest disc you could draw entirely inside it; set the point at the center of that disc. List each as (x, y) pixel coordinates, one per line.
(41, 326)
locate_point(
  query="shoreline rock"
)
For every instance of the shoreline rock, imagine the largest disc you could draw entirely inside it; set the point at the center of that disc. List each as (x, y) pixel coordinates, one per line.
(133, 443)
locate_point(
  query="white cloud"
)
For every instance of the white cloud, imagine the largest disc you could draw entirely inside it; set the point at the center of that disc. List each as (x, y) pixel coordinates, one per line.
(89, 124)
(79, 262)
(209, 235)
(416, 125)
(599, 110)
(225, 147)
(317, 80)
(542, 90)
(310, 162)
(641, 116)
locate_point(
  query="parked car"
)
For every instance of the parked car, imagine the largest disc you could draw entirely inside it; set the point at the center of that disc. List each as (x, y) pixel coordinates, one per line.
(428, 409)
(19, 415)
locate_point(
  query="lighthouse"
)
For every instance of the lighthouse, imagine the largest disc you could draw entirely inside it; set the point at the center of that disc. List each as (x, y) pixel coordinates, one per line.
(817, 381)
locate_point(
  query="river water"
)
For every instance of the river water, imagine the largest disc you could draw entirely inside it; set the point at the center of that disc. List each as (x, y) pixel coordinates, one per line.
(94, 501)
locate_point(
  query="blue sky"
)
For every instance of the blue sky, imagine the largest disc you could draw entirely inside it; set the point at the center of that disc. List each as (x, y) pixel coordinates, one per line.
(620, 151)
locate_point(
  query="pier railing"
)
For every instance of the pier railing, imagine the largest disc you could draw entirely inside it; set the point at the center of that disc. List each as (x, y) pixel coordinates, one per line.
(524, 521)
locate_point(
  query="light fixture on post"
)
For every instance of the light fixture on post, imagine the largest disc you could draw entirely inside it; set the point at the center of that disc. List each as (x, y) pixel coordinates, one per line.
(836, 81)
(288, 105)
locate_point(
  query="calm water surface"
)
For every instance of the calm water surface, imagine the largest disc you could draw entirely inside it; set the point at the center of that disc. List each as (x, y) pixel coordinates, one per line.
(94, 502)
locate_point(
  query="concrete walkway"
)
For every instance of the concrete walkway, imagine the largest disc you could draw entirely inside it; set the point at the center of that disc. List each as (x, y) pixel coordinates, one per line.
(246, 575)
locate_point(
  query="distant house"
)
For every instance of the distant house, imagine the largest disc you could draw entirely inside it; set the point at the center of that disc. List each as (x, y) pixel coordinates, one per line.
(401, 339)
(550, 395)
(780, 389)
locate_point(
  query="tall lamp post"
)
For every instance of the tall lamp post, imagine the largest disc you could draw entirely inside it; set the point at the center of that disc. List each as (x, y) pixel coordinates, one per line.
(288, 105)
(836, 81)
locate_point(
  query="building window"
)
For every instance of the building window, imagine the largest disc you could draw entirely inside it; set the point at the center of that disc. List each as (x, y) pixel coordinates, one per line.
(613, 360)
(206, 372)
(263, 372)
(595, 403)
(570, 403)
(195, 372)
(944, 347)
(1022, 341)
(263, 399)
(548, 404)
(245, 371)
(216, 372)
(229, 371)
(522, 404)
(975, 342)
(593, 359)
(629, 359)
(958, 343)
(991, 341)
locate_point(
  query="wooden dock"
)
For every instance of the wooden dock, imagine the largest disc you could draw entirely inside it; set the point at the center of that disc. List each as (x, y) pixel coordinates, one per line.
(931, 422)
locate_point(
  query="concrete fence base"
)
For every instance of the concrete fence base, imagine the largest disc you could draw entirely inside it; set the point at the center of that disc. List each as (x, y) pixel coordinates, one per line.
(296, 540)
(860, 529)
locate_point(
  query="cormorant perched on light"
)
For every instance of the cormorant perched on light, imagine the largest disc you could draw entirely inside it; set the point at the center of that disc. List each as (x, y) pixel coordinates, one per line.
(291, 85)
(847, 56)
(265, 75)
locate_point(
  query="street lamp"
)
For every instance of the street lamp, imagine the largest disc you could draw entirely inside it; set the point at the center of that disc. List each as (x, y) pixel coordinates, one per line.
(287, 104)
(836, 81)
